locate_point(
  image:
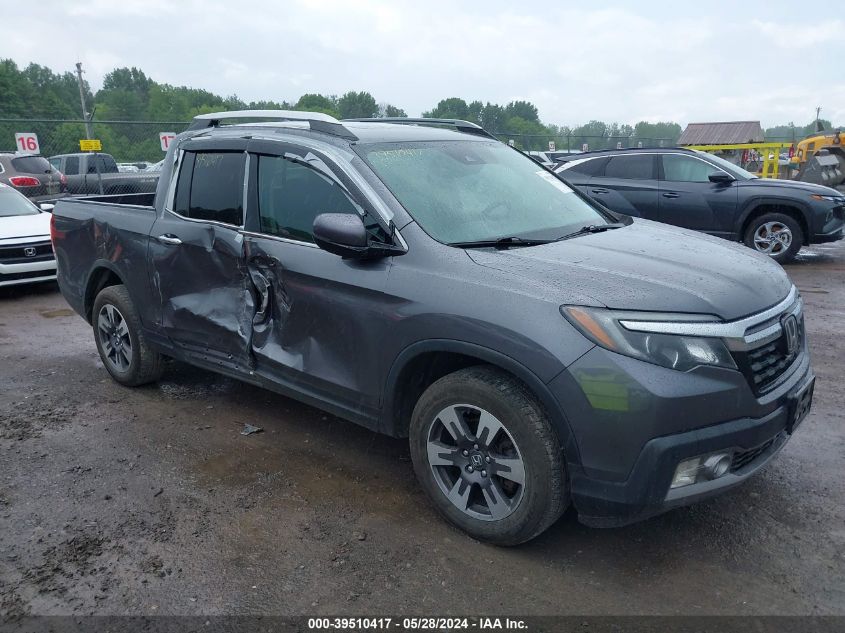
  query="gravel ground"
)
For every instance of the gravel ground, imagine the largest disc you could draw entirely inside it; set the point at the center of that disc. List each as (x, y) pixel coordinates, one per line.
(149, 501)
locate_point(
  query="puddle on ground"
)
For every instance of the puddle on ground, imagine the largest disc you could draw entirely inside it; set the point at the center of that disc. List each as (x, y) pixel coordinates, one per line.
(54, 314)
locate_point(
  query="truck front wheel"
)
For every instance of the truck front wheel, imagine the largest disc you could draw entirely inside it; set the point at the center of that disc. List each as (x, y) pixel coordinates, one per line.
(486, 455)
(120, 340)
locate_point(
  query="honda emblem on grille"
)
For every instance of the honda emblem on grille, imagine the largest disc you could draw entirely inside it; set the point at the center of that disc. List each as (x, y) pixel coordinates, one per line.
(790, 331)
(29, 251)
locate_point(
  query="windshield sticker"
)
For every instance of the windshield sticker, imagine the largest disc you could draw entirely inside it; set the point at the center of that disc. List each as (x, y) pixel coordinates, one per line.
(552, 180)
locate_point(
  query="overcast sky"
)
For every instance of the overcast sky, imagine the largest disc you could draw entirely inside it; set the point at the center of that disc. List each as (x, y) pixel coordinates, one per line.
(773, 60)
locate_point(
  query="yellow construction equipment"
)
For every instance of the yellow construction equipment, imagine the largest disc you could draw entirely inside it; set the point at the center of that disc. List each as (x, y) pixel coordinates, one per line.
(767, 153)
(820, 158)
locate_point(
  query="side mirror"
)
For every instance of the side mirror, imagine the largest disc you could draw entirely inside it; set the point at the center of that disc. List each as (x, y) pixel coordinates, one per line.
(342, 234)
(47, 206)
(721, 177)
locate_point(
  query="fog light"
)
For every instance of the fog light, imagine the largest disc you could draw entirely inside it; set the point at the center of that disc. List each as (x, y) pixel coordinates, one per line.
(716, 465)
(686, 473)
(702, 468)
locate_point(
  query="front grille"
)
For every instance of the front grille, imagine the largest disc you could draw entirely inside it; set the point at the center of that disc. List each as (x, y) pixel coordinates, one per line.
(744, 458)
(764, 365)
(767, 363)
(16, 254)
(32, 274)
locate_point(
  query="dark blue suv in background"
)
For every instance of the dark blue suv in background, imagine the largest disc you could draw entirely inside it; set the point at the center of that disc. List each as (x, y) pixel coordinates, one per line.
(699, 191)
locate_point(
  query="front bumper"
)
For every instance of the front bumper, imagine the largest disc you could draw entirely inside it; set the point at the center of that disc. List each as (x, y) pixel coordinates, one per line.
(832, 236)
(632, 435)
(27, 273)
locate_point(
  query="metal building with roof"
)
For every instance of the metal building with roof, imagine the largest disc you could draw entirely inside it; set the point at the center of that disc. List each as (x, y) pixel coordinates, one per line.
(722, 133)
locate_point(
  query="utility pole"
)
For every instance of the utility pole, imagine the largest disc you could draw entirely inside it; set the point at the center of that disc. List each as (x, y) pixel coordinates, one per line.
(85, 116)
(818, 112)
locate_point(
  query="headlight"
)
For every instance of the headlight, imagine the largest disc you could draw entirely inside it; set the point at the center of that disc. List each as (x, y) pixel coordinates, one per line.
(683, 353)
(837, 199)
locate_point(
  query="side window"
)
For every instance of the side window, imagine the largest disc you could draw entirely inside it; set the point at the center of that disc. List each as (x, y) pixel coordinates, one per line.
(211, 186)
(631, 167)
(56, 163)
(588, 167)
(291, 195)
(678, 168)
(71, 166)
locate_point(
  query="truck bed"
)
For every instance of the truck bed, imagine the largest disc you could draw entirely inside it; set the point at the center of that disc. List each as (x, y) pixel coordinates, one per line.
(103, 234)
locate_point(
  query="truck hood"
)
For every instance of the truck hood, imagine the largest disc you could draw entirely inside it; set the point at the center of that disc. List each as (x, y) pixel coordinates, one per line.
(794, 185)
(25, 226)
(649, 266)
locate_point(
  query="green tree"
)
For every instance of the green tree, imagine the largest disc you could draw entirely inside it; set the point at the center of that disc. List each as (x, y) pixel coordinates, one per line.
(451, 108)
(390, 111)
(522, 109)
(357, 105)
(318, 103)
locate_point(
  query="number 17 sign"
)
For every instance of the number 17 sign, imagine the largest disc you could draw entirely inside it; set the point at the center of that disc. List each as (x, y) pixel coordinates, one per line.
(27, 142)
(166, 138)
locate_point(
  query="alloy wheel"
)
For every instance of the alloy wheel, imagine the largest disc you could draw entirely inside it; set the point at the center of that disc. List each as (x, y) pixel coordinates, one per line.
(476, 462)
(772, 238)
(114, 337)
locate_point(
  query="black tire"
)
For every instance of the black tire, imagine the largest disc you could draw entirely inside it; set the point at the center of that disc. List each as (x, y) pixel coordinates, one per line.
(544, 495)
(789, 226)
(138, 364)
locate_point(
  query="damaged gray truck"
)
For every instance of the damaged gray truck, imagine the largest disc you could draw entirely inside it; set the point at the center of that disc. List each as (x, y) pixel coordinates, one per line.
(424, 280)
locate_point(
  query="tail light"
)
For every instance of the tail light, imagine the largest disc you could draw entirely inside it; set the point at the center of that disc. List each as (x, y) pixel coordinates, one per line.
(62, 178)
(24, 181)
(55, 234)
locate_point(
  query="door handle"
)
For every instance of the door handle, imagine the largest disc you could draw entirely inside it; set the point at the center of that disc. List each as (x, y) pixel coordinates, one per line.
(671, 194)
(600, 190)
(171, 240)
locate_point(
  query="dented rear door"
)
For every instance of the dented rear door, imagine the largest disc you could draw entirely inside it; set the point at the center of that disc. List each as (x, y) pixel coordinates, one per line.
(199, 277)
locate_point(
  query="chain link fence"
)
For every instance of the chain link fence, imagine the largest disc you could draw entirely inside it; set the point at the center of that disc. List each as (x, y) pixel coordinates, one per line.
(127, 141)
(139, 141)
(579, 142)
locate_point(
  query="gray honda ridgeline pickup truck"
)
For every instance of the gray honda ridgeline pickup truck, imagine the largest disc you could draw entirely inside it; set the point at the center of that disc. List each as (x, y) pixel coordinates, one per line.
(426, 281)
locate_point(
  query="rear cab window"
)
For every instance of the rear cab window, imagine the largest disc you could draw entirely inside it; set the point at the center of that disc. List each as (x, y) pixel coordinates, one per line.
(211, 187)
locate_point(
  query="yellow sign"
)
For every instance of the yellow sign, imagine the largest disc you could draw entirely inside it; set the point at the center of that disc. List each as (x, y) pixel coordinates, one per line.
(90, 145)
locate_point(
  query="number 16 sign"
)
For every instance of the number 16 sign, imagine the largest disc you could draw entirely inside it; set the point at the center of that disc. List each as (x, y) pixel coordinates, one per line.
(27, 142)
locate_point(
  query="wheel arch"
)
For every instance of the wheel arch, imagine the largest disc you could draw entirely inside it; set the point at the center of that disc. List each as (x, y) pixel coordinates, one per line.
(102, 275)
(761, 206)
(424, 362)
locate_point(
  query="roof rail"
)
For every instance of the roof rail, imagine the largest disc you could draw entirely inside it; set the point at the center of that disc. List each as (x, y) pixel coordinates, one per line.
(318, 121)
(460, 125)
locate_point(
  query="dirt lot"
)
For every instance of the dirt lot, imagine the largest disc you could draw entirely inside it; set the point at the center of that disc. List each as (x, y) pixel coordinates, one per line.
(149, 501)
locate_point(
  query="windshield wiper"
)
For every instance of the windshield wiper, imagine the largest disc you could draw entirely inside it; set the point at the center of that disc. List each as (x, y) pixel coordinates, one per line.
(592, 228)
(502, 242)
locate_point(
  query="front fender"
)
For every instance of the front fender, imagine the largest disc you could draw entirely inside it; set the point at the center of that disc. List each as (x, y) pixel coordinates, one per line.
(557, 417)
(754, 203)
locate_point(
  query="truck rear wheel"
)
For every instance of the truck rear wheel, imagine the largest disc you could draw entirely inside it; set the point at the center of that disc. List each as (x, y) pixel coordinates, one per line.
(120, 340)
(487, 457)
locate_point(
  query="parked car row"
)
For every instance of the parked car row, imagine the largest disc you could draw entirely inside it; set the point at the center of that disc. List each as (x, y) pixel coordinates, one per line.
(699, 191)
(420, 278)
(97, 173)
(41, 179)
(32, 176)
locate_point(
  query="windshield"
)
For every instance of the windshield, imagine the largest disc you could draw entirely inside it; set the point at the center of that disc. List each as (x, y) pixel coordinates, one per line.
(13, 203)
(467, 191)
(734, 170)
